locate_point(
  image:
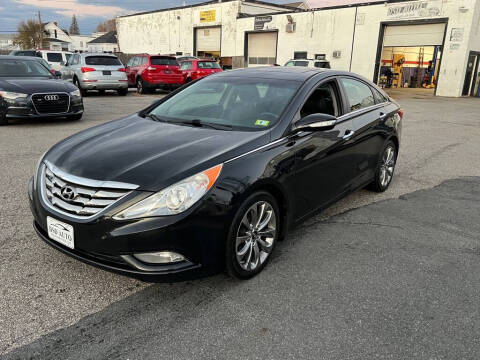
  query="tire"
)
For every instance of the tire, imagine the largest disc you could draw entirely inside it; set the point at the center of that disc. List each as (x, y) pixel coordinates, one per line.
(75, 117)
(247, 250)
(122, 92)
(83, 92)
(141, 86)
(101, 92)
(385, 168)
(187, 80)
(3, 120)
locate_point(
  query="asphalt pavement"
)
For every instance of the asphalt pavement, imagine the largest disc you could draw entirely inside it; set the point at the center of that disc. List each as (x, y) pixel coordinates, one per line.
(400, 282)
(398, 279)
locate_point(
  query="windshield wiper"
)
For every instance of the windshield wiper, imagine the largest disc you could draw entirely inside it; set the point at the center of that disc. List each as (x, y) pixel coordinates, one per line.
(200, 123)
(155, 117)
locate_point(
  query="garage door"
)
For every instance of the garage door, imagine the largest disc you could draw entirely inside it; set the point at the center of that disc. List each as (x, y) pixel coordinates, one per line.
(414, 35)
(208, 39)
(262, 48)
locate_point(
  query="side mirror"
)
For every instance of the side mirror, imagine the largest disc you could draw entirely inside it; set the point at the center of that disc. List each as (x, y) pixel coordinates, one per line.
(58, 74)
(315, 122)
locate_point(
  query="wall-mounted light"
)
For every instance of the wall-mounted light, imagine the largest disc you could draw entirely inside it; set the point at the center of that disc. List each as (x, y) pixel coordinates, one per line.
(462, 9)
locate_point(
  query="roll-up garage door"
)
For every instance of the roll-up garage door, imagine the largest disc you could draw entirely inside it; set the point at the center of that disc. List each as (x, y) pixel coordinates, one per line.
(414, 35)
(208, 39)
(262, 48)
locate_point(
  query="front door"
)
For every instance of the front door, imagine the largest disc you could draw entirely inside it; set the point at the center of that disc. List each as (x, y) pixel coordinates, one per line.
(324, 160)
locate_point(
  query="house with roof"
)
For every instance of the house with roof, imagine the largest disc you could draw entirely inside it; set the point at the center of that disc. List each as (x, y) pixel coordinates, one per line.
(105, 43)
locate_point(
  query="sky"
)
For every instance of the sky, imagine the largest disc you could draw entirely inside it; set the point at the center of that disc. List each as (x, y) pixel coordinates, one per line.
(90, 12)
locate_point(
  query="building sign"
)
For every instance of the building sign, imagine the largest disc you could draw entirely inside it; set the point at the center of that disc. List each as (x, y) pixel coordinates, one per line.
(207, 16)
(414, 10)
(260, 21)
(456, 35)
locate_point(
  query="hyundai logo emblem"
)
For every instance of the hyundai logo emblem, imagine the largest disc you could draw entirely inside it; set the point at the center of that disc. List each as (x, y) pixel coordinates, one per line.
(68, 193)
(51, 97)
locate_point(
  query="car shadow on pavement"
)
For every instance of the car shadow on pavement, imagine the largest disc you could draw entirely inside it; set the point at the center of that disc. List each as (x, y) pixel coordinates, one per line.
(395, 279)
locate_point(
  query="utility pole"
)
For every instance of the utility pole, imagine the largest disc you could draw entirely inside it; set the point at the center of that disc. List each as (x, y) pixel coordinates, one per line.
(41, 29)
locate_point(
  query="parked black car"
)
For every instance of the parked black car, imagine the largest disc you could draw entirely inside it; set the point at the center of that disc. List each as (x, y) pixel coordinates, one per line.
(215, 173)
(29, 90)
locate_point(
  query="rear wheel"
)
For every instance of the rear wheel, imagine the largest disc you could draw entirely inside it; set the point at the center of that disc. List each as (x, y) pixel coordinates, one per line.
(141, 86)
(83, 92)
(187, 80)
(122, 92)
(252, 236)
(101, 92)
(385, 168)
(3, 120)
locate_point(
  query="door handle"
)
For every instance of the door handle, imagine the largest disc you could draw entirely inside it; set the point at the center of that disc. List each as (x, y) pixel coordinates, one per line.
(348, 134)
(382, 116)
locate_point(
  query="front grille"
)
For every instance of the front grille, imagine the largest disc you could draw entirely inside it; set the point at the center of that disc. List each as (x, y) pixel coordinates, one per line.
(53, 103)
(77, 196)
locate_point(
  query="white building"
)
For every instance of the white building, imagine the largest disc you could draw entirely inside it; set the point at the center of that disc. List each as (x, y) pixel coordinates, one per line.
(104, 43)
(6, 42)
(362, 38)
(79, 43)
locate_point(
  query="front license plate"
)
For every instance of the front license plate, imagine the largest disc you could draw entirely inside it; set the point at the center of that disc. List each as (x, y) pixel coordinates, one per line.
(105, 72)
(60, 232)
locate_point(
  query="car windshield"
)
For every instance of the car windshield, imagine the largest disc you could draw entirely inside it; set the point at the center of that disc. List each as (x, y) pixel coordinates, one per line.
(22, 68)
(101, 60)
(208, 65)
(157, 60)
(233, 102)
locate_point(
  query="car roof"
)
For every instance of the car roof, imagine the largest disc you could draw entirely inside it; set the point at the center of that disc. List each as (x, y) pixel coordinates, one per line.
(13, 57)
(280, 72)
(95, 54)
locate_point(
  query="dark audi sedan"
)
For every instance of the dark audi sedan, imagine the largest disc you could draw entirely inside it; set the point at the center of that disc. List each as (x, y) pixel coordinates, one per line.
(29, 90)
(213, 175)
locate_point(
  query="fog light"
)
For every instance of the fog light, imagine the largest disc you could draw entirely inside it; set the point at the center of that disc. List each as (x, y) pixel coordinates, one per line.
(161, 257)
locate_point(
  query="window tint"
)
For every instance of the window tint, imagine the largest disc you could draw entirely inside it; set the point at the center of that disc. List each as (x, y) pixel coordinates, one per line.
(68, 56)
(301, 63)
(101, 60)
(323, 100)
(379, 97)
(54, 57)
(290, 63)
(131, 61)
(163, 61)
(358, 94)
(21, 68)
(208, 65)
(322, 64)
(185, 65)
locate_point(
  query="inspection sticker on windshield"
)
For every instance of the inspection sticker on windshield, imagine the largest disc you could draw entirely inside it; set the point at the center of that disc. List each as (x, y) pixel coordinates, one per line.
(262, 122)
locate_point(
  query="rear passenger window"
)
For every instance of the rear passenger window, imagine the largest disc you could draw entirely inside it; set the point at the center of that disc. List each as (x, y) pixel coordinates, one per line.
(359, 95)
(54, 57)
(185, 65)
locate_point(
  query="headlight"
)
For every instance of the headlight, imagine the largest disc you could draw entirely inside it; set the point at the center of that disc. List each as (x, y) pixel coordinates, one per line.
(75, 92)
(12, 95)
(175, 198)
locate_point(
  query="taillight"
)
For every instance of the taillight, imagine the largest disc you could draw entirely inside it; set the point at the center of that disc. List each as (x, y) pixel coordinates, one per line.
(400, 113)
(86, 69)
(52, 71)
(121, 69)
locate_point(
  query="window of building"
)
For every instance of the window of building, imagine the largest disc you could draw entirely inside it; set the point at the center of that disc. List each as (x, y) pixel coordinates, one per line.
(300, 55)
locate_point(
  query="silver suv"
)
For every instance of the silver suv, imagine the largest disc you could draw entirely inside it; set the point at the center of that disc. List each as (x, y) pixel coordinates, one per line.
(91, 71)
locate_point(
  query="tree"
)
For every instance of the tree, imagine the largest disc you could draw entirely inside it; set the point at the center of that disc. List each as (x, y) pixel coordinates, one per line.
(106, 26)
(74, 30)
(30, 35)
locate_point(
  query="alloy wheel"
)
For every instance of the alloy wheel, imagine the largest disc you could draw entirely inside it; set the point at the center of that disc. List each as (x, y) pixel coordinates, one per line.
(255, 235)
(139, 87)
(387, 166)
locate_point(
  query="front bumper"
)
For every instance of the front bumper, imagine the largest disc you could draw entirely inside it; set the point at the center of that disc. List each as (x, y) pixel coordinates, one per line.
(24, 108)
(109, 244)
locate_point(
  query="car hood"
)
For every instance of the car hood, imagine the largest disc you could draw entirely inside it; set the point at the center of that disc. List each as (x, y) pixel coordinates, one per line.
(147, 153)
(35, 85)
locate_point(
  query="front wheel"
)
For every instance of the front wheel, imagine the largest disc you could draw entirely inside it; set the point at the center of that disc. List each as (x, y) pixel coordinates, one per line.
(122, 92)
(385, 168)
(75, 117)
(141, 87)
(252, 236)
(83, 92)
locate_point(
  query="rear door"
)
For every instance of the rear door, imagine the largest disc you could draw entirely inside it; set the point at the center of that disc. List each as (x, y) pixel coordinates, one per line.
(324, 159)
(165, 69)
(131, 71)
(368, 115)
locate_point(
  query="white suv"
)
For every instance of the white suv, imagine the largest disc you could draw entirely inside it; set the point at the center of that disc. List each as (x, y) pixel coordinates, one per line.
(56, 59)
(322, 64)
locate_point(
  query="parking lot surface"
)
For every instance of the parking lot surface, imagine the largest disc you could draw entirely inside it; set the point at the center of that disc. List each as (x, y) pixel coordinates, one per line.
(397, 277)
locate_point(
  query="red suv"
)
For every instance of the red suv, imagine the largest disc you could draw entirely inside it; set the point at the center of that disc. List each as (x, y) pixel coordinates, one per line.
(195, 69)
(150, 72)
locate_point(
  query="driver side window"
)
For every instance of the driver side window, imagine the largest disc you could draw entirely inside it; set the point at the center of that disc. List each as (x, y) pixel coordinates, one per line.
(323, 100)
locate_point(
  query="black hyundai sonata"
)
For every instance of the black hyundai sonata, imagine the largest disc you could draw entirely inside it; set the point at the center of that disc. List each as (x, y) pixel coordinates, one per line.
(29, 90)
(214, 174)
